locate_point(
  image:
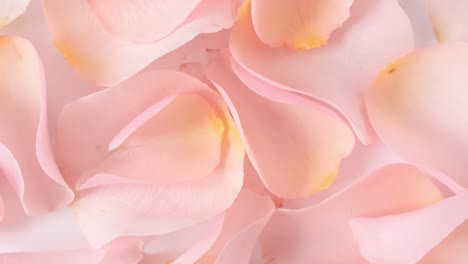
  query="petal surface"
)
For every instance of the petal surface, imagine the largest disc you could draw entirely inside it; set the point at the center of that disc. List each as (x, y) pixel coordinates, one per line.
(336, 74)
(105, 60)
(295, 149)
(142, 20)
(121, 251)
(321, 234)
(244, 221)
(449, 19)
(300, 24)
(418, 107)
(11, 9)
(26, 158)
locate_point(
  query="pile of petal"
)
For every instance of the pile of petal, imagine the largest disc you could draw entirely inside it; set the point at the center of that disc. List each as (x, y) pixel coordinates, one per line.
(233, 131)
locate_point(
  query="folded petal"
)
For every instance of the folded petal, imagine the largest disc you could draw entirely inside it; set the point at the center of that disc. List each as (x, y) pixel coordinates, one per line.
(300, 24)
(180, 161)
(11, 9)
(418, 107)
(244, 221)
(449, 19)
(321, 234)
(120, 251)
(105, 60)
(26, 158)
(418, 11)
(142, 20)
(336, 74)
(170, 128)
(406, 238)
(295, 149)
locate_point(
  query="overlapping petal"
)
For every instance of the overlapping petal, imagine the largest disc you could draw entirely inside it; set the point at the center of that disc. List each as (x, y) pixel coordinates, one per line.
(418, 107)
(321, 233)
(300, 24)
(26, 159)
(106, 60)
(449, 19)
(136, 133)
(336, 74)
(11, 9)
(295, 149)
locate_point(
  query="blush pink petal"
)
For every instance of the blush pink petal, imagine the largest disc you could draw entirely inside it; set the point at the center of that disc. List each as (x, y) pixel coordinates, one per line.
(105, 60)
(336, 74)
(406, 238)
(121, 251)
(244, 221)
(300, 24)
(186, 245)
(142, 20)
(26, 158)
(158, 204)
(418, 106)
(449, 19)
(295, 149)
(11, 9)
(165, 119)
(417, 11)
(321, 234)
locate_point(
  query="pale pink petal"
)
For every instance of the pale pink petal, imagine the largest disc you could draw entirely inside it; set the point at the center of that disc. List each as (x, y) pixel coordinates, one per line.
(142, 20)
(336, 74)
(190, 242)
(300, 24)
(164, 119)
(120, 251)
(449, 19)
(417, 11)
(25, 155)
(11, 9)
(295, 149)
(2, 208)
(105, 60)
(244, 221)
(418, 106)
(321, 234)
(452, 250)
(406, 238)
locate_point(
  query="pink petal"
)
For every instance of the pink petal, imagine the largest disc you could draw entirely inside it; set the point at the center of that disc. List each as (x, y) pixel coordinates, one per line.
(417, 11)
(142, 20)
(418, 107)
(300, 24)
(336, 74)
(295, 149)
(121, 251)
(321, 234)
(161, 204)
(244, 221)
(105, 60)
(25, 155)
(11, 9)
(165, 119)
(406, 238)
(449, 19)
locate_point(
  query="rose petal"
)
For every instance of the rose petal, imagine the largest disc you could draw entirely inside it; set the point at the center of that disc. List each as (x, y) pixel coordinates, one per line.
(296, 149)
(380, 239)
(417, 11)
(106, 60)
(300, 24)
(163, 118)
(320, 234)
(11, 9)
(25, 155)
(121, 251)
(418, 107)
(336, 74)
(142, 20)
(244, 221)
(449, 19)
